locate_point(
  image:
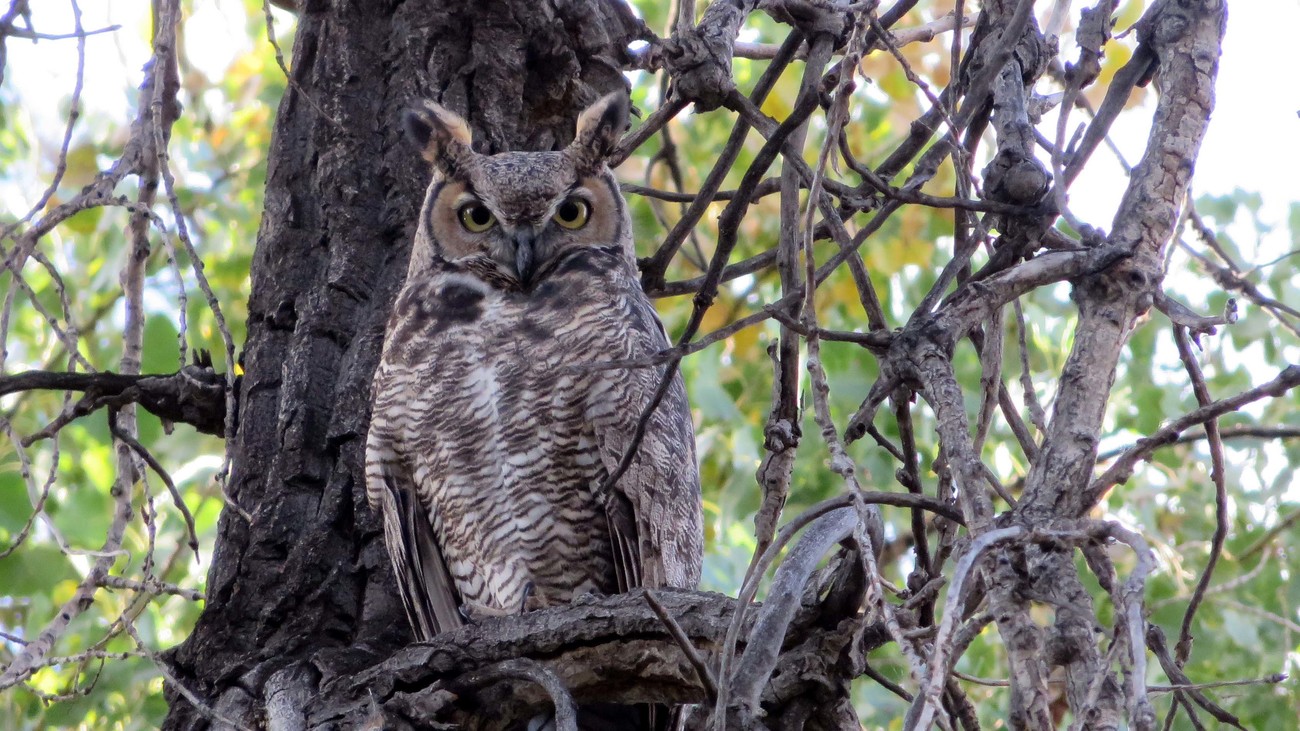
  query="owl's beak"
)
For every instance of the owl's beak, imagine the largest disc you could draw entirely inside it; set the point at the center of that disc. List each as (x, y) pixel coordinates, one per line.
(525, 255)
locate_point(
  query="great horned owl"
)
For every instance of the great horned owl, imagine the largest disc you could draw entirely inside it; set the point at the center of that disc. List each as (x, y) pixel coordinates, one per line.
(494, 426)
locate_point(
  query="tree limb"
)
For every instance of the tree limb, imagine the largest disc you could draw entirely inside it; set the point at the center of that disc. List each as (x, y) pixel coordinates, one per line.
(194, 395)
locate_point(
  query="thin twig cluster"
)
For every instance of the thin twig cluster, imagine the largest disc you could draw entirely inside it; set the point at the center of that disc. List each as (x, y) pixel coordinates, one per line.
(195, 394)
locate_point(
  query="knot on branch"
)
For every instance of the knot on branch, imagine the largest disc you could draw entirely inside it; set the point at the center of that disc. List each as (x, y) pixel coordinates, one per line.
(1034, 52)
(812, 18)
(781, 435)
(196, 395)
(699, 63)
(1011, 177)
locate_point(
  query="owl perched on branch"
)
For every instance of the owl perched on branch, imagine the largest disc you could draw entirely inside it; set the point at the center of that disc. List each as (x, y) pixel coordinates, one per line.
(495, 428)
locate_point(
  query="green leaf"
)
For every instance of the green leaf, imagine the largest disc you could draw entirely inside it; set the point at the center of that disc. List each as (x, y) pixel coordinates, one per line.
(160, 353)
(36, 567)
(15, 506)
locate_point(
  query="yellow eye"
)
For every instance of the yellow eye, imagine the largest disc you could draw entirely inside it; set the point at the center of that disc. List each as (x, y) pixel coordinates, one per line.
(572, 213)
(476, 218)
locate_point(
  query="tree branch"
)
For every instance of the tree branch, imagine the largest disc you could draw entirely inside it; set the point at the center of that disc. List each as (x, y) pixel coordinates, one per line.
(194, 395)
(614, 648)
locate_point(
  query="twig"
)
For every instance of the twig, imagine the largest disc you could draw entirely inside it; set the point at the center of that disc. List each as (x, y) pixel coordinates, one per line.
(702, 670)
(751, 265)
(1036, 414)
(38, 506)
(1217, 475)
(728, 223)
(899, 38)
(154, 587)
(647, 129)
(1281, 527)
(767, 187)
(1155, 639)
(32, 656)
(1273, 679)
(79, 34)
(1138, 67)
(161, 471)
(175, 683)
(653, 268)
(1123, 467)
(279, 60)
(921, 716)
(1242, 431)
(74, 113)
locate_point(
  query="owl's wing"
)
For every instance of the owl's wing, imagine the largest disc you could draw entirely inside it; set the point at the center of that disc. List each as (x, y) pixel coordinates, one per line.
(426, 587)
(654, 512)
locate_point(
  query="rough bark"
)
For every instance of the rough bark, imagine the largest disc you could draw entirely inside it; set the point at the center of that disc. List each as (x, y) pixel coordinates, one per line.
(303, 592)
(591, 648)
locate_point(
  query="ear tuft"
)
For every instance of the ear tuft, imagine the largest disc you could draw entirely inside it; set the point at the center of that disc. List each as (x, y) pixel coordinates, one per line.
(599, 128)
(442, 136)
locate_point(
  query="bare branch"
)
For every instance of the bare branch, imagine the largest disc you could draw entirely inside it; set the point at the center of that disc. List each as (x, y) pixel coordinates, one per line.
(768, 634)
(566, 713)
(196, 395)
(702, 670)
(1123, 467)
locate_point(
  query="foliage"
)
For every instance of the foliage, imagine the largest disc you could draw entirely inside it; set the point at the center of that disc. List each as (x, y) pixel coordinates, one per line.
(1246, 629)
(219, 159)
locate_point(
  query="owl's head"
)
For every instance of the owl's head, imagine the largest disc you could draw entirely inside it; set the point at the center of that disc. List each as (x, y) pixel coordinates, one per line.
(516, 212)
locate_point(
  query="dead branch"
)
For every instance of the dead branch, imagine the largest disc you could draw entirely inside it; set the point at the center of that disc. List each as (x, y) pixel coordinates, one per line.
(195, 395)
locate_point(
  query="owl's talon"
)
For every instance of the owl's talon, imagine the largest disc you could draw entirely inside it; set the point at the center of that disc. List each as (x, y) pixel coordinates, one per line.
(529, 589)
(467, 614)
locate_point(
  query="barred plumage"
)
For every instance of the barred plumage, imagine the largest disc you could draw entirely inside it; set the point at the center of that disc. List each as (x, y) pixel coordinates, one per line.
(494, 429)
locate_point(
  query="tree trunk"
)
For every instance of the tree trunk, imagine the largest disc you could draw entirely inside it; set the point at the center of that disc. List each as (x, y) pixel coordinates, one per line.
(303, 593)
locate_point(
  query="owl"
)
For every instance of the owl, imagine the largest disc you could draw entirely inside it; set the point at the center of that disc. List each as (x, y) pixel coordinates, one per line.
(497, 418)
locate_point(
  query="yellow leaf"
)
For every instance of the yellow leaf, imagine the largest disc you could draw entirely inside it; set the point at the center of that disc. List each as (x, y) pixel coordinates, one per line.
(83, 166)
(64, 590)
(777, 104)
(1129, 14)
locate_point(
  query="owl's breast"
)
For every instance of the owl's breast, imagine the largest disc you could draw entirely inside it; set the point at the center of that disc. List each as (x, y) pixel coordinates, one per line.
(505, 454)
